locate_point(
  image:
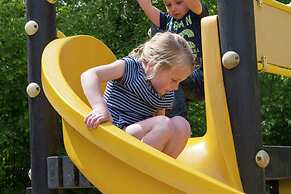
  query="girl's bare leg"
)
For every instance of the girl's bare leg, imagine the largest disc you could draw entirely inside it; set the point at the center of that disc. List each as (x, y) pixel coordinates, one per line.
(182, 131)
(168, 135)
(155, 131)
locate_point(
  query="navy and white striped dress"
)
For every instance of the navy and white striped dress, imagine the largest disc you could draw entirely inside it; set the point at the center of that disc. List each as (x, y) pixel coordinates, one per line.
(132, 98)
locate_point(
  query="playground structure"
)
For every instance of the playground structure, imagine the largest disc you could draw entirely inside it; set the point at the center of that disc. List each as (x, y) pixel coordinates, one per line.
(222, 161)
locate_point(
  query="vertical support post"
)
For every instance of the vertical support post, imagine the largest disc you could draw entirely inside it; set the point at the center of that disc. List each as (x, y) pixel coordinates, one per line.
(44, 136)
(237, 33)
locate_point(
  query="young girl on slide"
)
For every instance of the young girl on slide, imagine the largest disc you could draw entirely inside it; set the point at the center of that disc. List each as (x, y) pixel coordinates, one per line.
(139, 89)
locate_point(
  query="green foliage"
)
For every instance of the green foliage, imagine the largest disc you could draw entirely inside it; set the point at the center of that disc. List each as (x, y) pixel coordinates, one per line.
(212, 6)
(275, 109)
(197, 118)
(284, 1)
(14, 139)
(119, 24)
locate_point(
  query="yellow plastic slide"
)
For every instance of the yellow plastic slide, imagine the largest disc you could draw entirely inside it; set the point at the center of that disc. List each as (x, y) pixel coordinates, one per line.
(117, 163)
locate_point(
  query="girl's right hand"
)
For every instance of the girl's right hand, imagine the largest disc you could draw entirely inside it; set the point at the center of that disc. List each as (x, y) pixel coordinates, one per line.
(98, 115)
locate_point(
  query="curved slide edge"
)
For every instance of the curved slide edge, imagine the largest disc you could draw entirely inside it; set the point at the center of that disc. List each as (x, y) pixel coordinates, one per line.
(148, 169)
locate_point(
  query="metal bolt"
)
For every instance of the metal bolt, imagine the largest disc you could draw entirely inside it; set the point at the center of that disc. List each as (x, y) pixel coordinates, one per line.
(262, 159)
(33, 89)
(31, 27)
(230, 59)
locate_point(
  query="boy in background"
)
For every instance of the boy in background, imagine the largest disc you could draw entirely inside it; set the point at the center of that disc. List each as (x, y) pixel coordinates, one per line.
(184, 18)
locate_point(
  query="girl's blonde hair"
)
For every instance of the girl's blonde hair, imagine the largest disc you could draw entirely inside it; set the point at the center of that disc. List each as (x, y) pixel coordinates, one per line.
(164, 50)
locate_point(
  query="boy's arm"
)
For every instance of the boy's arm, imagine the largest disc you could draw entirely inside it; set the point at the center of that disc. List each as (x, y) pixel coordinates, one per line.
(151, 11)
(195, 6)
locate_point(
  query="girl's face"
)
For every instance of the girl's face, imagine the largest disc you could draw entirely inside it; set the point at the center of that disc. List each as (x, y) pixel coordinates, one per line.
(176, 8)
(169, 79)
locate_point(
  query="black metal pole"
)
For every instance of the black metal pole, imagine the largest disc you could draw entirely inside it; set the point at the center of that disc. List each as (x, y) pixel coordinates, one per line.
(43, 121)
(237, 33)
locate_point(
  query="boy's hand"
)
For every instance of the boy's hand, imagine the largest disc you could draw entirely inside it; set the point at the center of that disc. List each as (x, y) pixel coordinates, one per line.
(98, 115)
(195, 6)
